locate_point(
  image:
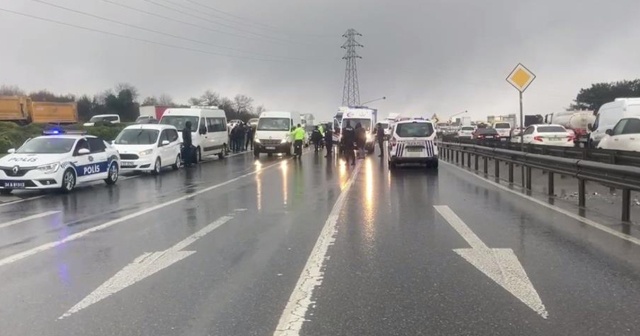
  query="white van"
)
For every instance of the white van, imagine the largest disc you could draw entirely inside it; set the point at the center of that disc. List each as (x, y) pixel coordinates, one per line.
(366, 117)
(609, 114)
(273, 133)
(208, 127)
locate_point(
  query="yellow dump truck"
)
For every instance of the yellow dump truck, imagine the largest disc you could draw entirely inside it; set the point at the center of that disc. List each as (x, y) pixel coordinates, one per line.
(22, 110)
(63, 113)
(16, 109)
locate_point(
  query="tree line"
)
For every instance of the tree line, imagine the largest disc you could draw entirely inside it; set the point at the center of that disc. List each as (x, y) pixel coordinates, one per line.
(123, 99)
(598, 94)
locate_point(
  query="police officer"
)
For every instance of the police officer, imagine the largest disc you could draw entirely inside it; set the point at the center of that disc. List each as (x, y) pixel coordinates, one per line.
(380, 138)
(316, 137)
(328, 141)
(298, 138)
(249, 137)
(348, 140)
(187, 144)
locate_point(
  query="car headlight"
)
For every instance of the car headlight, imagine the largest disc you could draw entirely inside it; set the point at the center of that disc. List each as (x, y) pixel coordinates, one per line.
(256, 140)
(49, 168)
(369, 137)
(146, 152)
(284, 140)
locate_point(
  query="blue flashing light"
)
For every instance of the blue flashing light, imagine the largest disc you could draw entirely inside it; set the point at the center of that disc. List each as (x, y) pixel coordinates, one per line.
(53, 131)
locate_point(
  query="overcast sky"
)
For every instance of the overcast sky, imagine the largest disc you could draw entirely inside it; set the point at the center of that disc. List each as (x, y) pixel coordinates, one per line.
(426, 56)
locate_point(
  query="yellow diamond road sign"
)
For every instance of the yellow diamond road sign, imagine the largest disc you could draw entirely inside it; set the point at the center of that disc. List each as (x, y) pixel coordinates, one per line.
(521, 77)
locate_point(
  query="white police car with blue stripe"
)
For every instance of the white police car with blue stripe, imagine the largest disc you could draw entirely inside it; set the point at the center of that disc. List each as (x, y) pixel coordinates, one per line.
(59, 161)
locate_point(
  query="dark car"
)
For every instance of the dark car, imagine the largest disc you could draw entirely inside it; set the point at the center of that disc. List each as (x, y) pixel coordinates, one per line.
(484, 135)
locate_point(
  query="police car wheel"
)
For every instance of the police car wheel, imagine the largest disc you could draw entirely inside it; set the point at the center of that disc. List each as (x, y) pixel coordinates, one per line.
(198, 155)
(113, 174)
(157, 167)
(221, 154)
(178, 163)
(68, 181)
(5, 191)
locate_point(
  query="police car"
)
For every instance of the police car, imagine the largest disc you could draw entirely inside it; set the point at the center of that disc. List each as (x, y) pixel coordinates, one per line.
(58, 161)
(412, 140)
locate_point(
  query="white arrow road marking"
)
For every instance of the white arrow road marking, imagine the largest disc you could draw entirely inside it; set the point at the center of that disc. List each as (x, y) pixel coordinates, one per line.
(499, 264)
(143, 267)
(25, 219)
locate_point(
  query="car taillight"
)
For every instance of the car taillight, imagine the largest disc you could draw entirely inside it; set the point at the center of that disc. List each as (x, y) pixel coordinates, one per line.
(570, 137)
(537, 138)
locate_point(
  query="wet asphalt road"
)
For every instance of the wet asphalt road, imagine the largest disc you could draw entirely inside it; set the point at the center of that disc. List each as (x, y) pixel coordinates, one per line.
(392, 269)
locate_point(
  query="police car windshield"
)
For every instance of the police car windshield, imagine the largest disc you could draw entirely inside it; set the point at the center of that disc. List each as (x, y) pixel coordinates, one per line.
(47, 145)
(180, 121)
(414, 130)
(366, 123)
(273, 124)
(137, 137)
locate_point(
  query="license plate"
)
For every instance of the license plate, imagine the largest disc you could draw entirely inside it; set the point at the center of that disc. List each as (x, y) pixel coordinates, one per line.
(14, 185)
(127, 164)
(270, 148)
(414, 149)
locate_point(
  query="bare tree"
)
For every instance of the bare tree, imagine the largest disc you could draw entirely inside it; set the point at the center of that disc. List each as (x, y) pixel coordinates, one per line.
(194, 101)
(165, 100)
(11, 90)
(150, 101)
(243, 104)
(101, 98)
(260, 109)
(127, 87)
(210, 98)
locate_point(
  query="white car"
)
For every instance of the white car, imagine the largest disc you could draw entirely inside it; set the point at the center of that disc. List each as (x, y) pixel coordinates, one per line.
(503, 129)
(107, 118)
(58, 162)
(413, 141)
(149, 148)
(466, 132)
(546, 135)
(624, 136)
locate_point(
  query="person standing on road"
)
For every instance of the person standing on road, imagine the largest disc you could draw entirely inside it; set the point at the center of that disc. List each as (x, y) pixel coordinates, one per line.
(187, 144)
(249, 141)
(328, 141)
(361, 139)
(348, 141)
(380, 138)
(298, 137)
(316, 137)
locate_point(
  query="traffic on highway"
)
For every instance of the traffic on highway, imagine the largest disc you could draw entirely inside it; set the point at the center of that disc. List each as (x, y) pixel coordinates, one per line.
(319, 168)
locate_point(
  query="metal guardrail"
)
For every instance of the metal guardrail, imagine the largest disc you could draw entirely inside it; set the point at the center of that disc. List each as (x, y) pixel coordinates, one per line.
(592, 154)
(626, 178)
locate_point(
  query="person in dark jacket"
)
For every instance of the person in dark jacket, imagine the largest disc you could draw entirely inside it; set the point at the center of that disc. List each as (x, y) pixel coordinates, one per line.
(316, 137)
(249, 135)
(328, 141)
(348, 141)
(187, 145)
(380, 138)
(361, 139)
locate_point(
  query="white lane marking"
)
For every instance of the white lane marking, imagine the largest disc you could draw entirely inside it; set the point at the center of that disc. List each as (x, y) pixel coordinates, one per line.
(143, 267)
(25, 219)
(19, 256)
(21, 200)
(584, 220)
(294, 313)
(499, 264)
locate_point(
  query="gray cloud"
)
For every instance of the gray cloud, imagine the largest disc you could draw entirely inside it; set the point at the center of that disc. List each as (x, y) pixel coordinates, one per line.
(426, 56)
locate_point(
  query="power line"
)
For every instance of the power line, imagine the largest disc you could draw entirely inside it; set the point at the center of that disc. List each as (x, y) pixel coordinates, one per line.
(152, 30)
(135, 38)
(179, 21)
(274, 39)
(245, 20)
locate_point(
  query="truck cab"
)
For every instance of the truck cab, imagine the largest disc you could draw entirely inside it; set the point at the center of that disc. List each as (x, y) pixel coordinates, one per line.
(366, 117)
